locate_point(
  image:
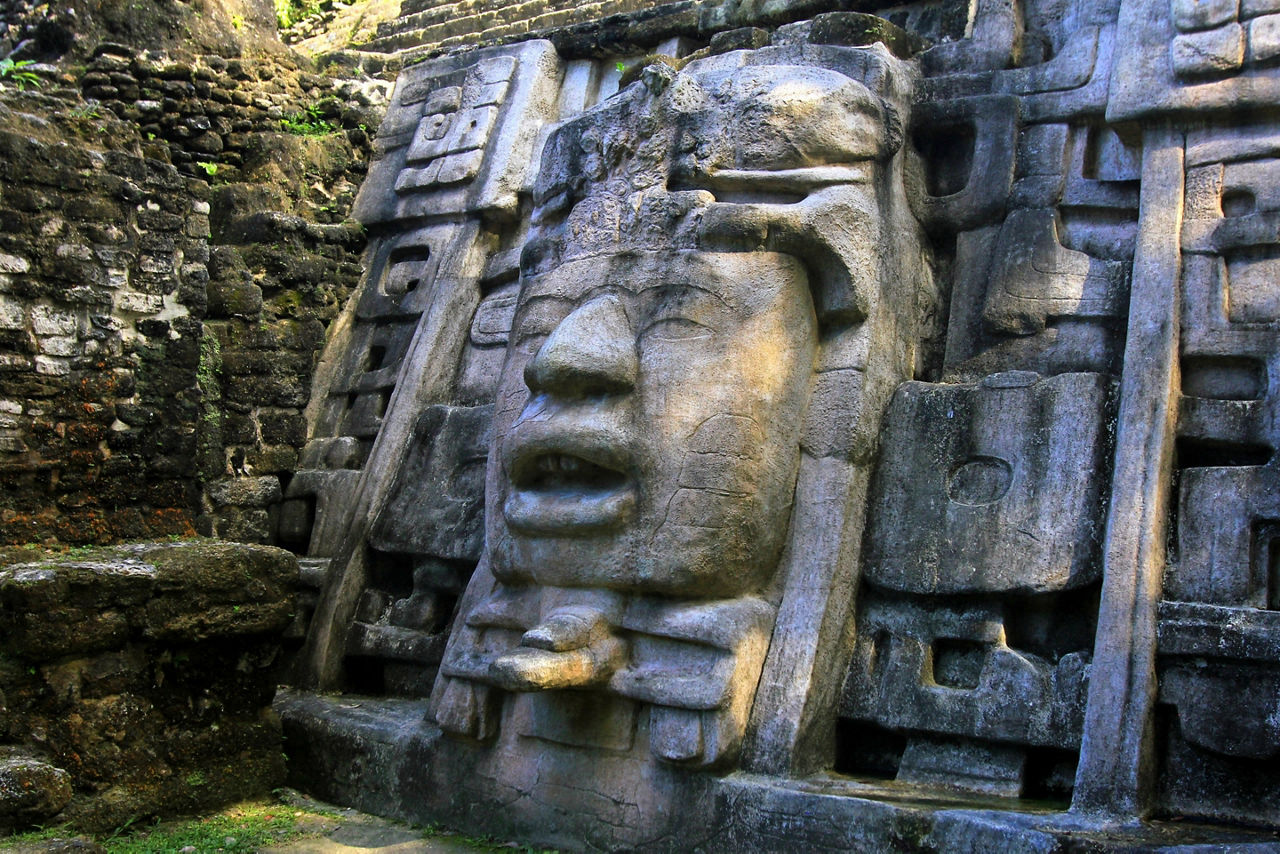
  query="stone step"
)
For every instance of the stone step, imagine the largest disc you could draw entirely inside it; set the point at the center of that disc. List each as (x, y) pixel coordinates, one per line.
(408, 7)
(459, 23)
(419, 20)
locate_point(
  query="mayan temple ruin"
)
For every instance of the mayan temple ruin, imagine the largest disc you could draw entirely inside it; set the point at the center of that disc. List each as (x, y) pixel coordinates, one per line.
(720, 425)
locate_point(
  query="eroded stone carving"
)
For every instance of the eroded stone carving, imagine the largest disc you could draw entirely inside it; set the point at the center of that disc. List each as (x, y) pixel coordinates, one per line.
(697, 301)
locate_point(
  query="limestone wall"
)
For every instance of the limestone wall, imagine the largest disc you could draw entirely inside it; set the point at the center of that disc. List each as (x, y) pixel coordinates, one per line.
(1034, 556)
(103, 254)
(174, 249)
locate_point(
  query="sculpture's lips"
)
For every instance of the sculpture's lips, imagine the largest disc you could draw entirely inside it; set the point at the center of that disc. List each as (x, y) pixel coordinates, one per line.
(563, 482)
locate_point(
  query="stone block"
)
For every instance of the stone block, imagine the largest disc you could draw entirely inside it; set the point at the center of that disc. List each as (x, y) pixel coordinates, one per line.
(52, 366)
(1264, 39)
(446, 99)
(1042, 150)
(990, 769)
(1035, 277)
(239, 297)
(57, 345)
(1202, 691)
(971, 475)
(455, 168)
(282, 428)
(1191, 15)
(743, 38)
(13, 313)
(478, 94)
(440, 487)
(13, 264)
(245, 491)
(31, 790)
(47, 320)
(219, 590)
(136, 303)
(1208, 53)
(1223, 536)
(415, 179)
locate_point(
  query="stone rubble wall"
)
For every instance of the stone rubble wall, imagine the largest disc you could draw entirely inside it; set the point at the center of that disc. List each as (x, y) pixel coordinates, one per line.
(137, 681)
(175, 245)
(103, 255)
(170, 262)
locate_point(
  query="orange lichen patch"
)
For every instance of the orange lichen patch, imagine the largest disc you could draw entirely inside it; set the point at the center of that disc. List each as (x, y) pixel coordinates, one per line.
(84, 458)
(83, 526)
(99, 386)
(16, 527)
(171, 521)
(85, 433)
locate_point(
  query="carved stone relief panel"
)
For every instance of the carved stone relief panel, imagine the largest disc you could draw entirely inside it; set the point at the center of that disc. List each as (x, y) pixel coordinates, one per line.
(801, 406)
(390, 489)
(1220, 621)
(1196, 55)
(981, 565)
(983, 549)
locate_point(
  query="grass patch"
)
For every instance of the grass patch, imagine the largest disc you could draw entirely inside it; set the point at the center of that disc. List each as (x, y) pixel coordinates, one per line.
(309, 122)
(40, 834)
(243, 828)
(248, 827)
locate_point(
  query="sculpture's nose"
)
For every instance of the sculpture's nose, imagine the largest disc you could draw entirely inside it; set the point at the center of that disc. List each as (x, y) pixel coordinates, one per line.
(590, 353)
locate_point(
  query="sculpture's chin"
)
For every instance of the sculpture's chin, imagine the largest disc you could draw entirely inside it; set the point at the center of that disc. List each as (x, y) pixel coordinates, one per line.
(568, 512)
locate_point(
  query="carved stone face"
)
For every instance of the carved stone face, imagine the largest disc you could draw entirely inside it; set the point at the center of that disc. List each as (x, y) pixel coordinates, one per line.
(648, 423)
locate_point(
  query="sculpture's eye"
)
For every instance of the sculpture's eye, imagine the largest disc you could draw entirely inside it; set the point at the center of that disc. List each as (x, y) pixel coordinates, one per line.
(678, 312)
(674, 329)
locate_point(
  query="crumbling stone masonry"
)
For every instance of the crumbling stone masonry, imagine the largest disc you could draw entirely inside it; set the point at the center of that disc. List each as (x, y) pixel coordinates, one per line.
(104, 260)
(172, 258)
(137, 681)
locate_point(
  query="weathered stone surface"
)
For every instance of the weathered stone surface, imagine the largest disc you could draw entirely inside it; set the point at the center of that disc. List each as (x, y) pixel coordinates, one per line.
(638, 449)
(1211, 52)
(144, 671)
(970, 475)
(246, 492)
(31, 790)
(435, 506)
(119, 307)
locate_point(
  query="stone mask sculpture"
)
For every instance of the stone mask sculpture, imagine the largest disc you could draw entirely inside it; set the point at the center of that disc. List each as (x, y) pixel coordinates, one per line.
(707, 269)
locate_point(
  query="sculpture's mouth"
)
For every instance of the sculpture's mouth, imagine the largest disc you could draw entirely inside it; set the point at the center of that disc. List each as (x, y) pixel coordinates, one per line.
(545, 472)
(562, 486)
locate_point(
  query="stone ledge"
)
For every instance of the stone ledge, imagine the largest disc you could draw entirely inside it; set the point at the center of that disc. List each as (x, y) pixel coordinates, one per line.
(142, 674)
